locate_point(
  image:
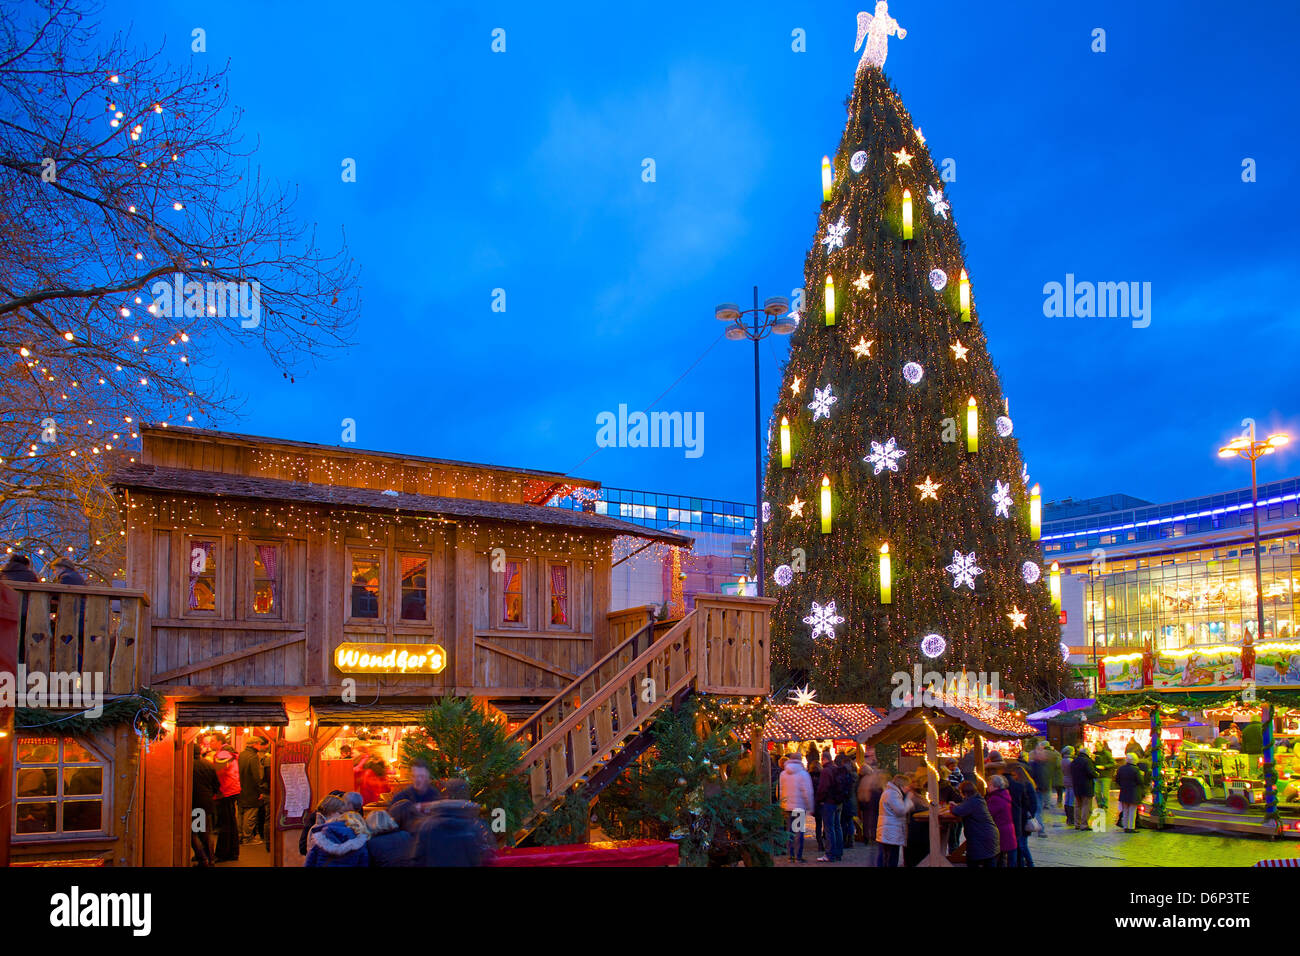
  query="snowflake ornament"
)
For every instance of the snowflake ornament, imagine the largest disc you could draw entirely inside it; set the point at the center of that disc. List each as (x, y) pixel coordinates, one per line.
(823, 620)
(963, 569)
(884, 456)
(858, 162)
(913, 372)
(836, 233)
(1002, 498)
(935, 197)
(1024, 474)
(938, 279)
(822, 402)
(1030, 572)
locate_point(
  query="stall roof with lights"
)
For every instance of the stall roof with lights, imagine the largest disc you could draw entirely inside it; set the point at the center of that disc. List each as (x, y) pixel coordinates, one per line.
(232, 714)
(799, 722)
(156, 478)
(908, 723)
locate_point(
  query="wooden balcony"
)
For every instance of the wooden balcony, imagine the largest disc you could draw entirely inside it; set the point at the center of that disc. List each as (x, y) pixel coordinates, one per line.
(66, 629)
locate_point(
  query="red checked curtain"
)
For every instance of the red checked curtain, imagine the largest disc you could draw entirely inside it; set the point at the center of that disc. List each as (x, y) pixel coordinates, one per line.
(559, 594)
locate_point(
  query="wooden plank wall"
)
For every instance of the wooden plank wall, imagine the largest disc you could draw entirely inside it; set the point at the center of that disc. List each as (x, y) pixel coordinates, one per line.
(293, 653)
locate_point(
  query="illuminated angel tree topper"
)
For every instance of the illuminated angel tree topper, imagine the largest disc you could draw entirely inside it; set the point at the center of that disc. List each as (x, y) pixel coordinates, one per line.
(905, 367)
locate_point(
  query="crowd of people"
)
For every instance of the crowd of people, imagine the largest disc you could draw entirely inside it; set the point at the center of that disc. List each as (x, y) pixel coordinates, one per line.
(424, 824)
(230, 797)
(838, 801)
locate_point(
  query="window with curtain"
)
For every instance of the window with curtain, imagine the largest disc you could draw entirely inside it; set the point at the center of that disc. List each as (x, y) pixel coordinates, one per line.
(58, 787)
(559, 594)
(415, 587)
(266, 570)
(512, 593)
(366, 584)
(203, 574)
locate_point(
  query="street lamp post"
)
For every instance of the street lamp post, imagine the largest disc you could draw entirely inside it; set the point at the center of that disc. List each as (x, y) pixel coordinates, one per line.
(757, 324)
(1247, 447)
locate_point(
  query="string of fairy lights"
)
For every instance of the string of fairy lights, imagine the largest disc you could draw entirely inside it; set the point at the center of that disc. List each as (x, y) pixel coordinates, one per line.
(901, 517)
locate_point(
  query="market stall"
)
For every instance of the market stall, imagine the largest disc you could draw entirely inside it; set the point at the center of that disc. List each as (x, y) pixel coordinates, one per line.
(925, 721)
(837, 726)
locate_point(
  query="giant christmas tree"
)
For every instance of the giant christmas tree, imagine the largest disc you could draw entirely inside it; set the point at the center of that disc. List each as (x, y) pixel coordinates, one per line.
(893, 416)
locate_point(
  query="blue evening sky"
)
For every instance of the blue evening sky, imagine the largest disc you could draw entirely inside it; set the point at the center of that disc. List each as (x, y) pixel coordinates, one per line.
(522, 171)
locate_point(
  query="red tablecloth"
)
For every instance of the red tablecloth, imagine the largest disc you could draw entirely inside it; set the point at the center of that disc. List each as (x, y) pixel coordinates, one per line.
(605, 853)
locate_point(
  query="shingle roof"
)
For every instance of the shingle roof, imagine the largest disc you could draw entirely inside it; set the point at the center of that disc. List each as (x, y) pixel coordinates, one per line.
(260, 441)
(247, 713)
(213, 484)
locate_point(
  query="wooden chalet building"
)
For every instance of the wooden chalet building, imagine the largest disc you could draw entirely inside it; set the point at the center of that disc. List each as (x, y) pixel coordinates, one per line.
(322, 596)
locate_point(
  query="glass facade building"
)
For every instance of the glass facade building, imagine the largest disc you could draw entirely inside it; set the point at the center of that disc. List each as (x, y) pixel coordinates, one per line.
(666, 512)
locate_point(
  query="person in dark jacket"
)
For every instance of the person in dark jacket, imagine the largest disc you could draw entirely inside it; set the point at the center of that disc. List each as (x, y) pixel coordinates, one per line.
(389, 844)
(452, 834)
(982, 846)
(250, 787)
(62, 571)
(419, 797)
(1083, 776)
(815, 771)
(19, 568)
(1128, 778)
(203, 798)
(333, 843)
(870, 786)
(832, 789)
(1024, 806)
(917, 847)
(849, 808)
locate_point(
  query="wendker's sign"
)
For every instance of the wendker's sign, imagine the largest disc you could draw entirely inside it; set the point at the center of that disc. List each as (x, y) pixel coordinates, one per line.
(390, 658)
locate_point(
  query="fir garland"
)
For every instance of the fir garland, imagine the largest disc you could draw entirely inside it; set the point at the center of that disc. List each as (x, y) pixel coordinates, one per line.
(1111, 704)
(143, 710)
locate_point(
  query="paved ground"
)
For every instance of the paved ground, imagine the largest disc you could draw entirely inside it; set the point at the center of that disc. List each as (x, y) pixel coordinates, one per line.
(1068, 847)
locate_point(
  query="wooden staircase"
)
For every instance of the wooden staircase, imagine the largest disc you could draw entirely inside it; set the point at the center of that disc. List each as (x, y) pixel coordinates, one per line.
(591, 730)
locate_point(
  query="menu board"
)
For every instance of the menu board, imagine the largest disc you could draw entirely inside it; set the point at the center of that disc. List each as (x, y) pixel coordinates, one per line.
(295, 785)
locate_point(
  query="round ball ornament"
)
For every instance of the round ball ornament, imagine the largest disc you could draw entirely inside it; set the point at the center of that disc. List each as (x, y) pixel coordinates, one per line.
(1030, 572)
(938, 279)
(1003, 426)
(859, 161)
(784, 575)
(913, 372)
(932, 645)
(1065, 650)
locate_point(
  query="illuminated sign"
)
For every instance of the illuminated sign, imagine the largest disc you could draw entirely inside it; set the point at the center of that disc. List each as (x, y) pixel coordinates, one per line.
(390, 658)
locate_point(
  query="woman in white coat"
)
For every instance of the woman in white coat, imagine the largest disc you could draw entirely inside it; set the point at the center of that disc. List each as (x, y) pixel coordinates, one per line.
(891, 828)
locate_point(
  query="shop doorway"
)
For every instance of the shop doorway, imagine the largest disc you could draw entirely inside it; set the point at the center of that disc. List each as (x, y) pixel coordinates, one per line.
(227, 826)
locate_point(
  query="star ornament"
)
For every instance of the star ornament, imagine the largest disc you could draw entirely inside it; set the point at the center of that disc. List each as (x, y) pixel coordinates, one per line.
(795, 385)
(803, 696)
(929, 489)
(884, 456)
(863, 348)
(919, 138)
(959, 351)
(863, 282)
(1017, 618)
(796, 507)
(823, 620)
(822, 402)
(903, 157)
(963, 569)
(836, 233)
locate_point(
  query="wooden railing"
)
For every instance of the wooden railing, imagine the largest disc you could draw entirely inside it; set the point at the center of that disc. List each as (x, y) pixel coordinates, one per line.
(68, 629)
(719, 648)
